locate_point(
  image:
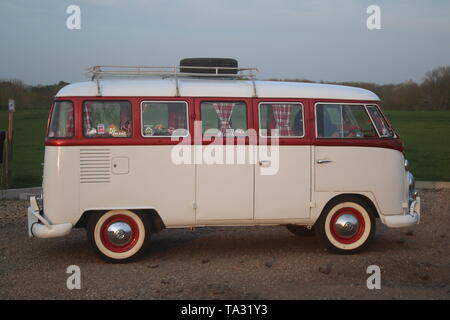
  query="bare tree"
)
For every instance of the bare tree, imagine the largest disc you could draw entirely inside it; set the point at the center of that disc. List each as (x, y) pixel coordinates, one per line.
(436, 86)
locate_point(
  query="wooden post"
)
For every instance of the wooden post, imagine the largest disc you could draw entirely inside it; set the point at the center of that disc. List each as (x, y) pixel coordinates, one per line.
(3, 156)
(9, 144)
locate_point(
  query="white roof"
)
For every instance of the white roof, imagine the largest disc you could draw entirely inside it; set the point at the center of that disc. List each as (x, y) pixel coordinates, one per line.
(193, 87)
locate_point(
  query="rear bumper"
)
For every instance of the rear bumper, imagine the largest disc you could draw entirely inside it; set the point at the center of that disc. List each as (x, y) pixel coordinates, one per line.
(39, 227)
(405, 220)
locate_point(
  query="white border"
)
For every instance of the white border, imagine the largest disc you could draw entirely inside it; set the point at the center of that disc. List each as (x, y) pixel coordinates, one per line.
(237, 101)
(281, 102)
(164, 101)
(341, 104)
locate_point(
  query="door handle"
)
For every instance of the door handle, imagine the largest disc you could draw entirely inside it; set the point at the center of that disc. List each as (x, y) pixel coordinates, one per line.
(320, 161)
(264, 162)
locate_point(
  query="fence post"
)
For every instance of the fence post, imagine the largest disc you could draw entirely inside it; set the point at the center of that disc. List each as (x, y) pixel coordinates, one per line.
(3, 158)
(7, 172)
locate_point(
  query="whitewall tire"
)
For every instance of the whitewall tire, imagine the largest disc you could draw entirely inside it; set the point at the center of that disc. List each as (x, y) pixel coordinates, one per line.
(346, 225)
(119, 235)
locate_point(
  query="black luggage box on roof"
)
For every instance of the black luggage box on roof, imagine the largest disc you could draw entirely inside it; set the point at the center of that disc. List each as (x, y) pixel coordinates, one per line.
(210, 63)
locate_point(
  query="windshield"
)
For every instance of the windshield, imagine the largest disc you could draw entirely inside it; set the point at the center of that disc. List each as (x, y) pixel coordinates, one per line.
(382, 126)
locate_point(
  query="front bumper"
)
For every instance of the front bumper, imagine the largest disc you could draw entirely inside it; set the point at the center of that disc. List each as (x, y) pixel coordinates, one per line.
(39, 227)
(405, 220)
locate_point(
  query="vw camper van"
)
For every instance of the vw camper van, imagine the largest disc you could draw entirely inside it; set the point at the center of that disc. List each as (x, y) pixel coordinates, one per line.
(137, 150)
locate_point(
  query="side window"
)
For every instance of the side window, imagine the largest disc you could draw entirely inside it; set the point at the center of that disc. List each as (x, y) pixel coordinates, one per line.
(380, 123)
(281, 119)
(357, 123)
(328, 120)
(224, 118)
(61, 121)
(164, 119)
(343, 121)
(107, 119)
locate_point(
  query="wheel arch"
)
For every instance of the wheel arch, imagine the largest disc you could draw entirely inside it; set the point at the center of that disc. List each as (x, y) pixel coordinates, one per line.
(157, 224)
(359, 196)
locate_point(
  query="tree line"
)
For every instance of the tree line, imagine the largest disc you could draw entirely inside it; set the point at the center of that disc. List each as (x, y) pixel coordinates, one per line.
(433, 93)
(39, 96)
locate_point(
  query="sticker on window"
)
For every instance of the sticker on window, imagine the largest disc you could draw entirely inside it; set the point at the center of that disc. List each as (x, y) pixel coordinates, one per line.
(164, 119)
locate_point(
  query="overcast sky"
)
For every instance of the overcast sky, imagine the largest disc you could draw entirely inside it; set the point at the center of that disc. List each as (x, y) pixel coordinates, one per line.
(312, 39)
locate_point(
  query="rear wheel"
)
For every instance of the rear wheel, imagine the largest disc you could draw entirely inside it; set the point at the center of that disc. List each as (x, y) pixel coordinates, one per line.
(119, 235)
(346, 225)
(300, 231)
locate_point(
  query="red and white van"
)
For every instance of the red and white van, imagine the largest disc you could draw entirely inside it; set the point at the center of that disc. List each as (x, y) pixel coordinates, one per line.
(109, 159)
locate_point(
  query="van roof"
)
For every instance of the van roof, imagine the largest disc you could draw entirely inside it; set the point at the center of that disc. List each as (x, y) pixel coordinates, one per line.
(192, 87)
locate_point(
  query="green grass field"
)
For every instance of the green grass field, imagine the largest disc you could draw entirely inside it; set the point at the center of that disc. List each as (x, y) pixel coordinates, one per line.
(424, 134)
(28, 145)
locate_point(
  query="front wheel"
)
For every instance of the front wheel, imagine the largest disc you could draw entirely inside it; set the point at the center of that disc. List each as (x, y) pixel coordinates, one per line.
(346, 225)
(118, 235)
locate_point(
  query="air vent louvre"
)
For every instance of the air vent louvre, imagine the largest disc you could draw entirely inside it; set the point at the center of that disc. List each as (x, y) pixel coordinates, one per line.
(95, 165)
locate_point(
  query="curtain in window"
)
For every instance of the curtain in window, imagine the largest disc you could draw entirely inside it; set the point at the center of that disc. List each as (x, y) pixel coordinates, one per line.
(87, 117)
(180, 120)
(224, 111)
(69, 123)
(282, 115)
(125, 119)
(270, 123)
(177, 118)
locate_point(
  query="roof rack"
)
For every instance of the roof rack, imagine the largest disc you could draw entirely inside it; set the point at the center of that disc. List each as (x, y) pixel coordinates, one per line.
(98, 72)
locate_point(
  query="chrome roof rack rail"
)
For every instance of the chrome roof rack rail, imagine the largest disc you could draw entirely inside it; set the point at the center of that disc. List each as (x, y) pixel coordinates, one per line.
(101, 71)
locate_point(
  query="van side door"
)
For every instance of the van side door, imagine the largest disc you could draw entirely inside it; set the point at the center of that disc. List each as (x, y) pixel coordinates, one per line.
(224, 184)
(283, 192)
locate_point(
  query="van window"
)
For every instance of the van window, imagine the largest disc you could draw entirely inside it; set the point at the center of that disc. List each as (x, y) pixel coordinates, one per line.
(107, 119)
(224, 118)
(343, 121)
(61, 123)
(164, 119)
(281, 119)
(383, 128)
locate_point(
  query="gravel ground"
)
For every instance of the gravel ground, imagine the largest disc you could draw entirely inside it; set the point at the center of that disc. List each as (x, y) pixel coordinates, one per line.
(231, 263)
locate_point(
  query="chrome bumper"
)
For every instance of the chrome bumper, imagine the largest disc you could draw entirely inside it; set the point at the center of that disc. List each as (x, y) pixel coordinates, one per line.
(39, 227)
(405, 220)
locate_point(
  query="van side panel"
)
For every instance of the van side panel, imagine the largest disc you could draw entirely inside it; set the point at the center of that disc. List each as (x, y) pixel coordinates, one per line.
(60, 184)
(142, 177)
(360, 170)
(225, 191)
(286, 193)
(78, 179)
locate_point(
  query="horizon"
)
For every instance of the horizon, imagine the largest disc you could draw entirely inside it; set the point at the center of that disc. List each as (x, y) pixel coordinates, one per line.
(285, 40)
(257, 79)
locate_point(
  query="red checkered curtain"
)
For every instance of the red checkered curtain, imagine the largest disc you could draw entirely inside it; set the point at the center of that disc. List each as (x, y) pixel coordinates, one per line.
(69, 124)
(177, 118)
(87, 117)
(180, 119)
(125, 119)
(224, 111)
(282, 115)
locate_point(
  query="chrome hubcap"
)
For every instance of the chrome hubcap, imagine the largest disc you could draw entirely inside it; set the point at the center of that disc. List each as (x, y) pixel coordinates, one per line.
(346, 226)
(119, 233)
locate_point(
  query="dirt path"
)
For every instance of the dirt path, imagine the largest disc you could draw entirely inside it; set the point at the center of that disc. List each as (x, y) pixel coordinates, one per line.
(231, 263)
